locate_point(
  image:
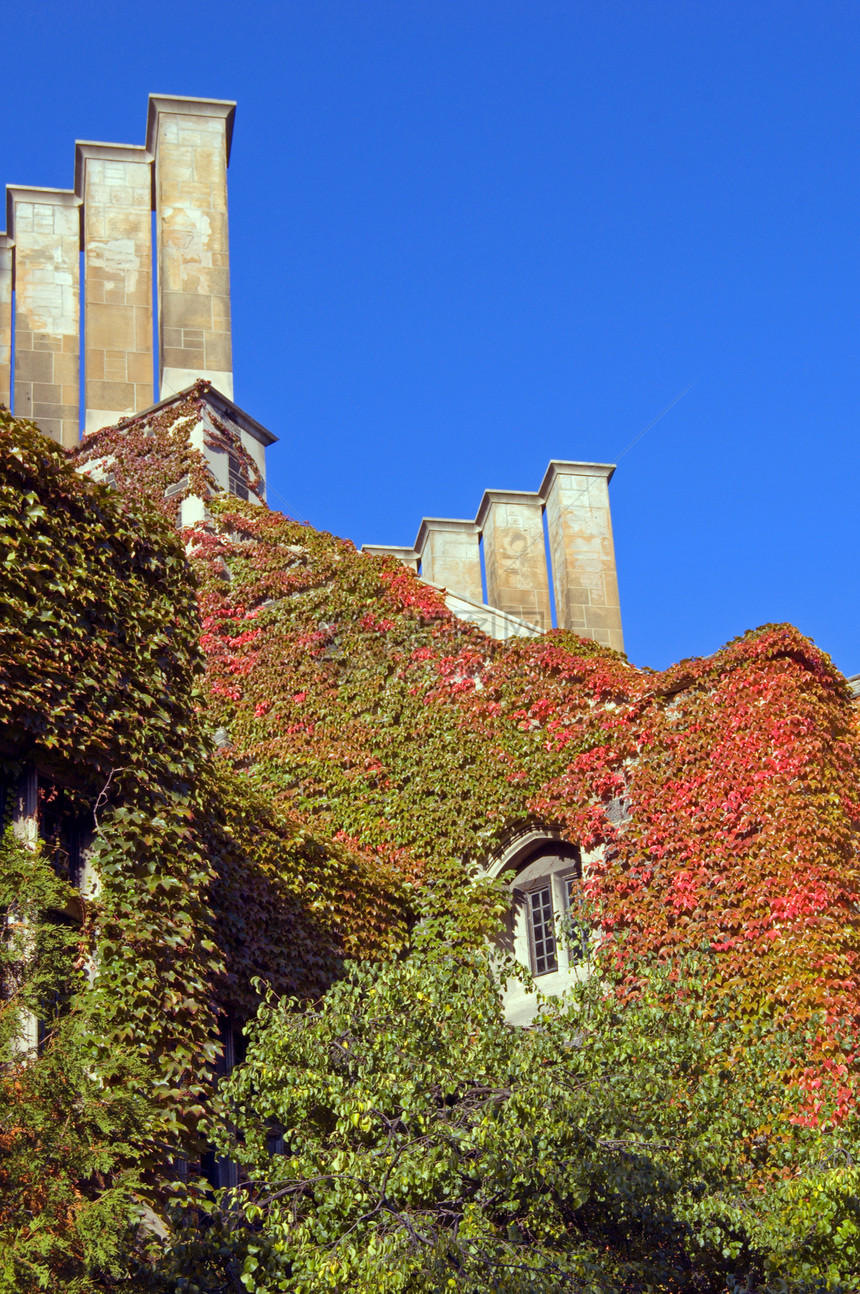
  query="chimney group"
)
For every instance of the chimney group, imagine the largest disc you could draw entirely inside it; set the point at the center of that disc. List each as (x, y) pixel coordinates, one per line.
(180, 174)
(574, 497)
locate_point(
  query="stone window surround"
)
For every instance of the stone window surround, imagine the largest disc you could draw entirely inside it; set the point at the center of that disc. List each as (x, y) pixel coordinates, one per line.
(535, 855)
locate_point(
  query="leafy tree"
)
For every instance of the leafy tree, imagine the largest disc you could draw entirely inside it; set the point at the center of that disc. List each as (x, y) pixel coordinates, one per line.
(428, 1145)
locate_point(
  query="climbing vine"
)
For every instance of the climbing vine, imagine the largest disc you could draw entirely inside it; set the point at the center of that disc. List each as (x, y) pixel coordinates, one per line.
(275, 746)
(722, 792)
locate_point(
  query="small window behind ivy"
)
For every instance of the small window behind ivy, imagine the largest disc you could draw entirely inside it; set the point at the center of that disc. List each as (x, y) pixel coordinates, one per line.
(177, 487)
(238, 485)
(544, 954)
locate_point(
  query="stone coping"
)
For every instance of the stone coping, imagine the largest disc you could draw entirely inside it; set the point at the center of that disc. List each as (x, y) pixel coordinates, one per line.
(28, 193)
(86, 149)
(451, 525)
(495, 612)
(188, 107)
(562, 467)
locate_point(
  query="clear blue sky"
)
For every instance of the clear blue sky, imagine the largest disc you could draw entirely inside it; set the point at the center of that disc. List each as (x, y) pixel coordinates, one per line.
(469, 236)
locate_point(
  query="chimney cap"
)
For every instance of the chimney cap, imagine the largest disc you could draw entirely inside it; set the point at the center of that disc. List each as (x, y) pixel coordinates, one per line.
(527, 497)
(90, 148)
(563, 467)
(448, 524)
(30, 193)
(188, 107)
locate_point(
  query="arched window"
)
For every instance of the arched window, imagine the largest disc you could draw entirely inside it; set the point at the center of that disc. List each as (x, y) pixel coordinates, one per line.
(545, 928)
(546, 894)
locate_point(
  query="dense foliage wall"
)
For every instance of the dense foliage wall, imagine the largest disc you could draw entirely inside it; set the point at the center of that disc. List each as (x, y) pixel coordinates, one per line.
(280, 747)
(723, 791)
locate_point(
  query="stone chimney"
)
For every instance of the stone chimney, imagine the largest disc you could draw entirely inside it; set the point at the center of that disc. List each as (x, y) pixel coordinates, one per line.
(406, 556)
(6, 284)
(45, 224)
(190, 142)
(114, 183)
(511, 522)
(583, 554)
(450, 555)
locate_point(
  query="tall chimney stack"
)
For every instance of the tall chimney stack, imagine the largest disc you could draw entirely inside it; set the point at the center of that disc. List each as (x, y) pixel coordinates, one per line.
(583, 554)
(190, 142)
(114, 183)
(45, 224)
(451, 555)
(511, 522)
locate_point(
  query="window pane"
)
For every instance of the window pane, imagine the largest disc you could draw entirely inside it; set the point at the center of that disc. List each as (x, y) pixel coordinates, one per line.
(237, 481)
(543, 931)
(576, 932)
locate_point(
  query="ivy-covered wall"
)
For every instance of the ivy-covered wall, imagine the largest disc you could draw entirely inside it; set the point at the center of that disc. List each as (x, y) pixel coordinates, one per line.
(723, 790)
(278, 743)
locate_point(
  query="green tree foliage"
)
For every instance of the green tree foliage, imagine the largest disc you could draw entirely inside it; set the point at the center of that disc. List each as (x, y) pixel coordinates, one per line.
(71, 1188)
(428, 1145)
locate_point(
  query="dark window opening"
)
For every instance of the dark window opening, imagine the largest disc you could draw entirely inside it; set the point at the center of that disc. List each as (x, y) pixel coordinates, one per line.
(238, 480)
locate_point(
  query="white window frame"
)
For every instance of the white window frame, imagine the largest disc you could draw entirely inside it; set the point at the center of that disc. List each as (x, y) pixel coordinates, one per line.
(557, 880)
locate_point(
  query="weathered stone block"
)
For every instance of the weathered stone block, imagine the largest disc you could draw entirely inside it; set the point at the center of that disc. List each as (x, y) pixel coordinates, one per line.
(139, 369)
(47, 393)
(187, 310)
(111, 395)
(111, 327)
(33, 365)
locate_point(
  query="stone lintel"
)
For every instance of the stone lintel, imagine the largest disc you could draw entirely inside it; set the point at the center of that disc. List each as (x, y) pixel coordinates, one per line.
(449, 524)
(178, 105)
(27, 193)
(561, 467)
(521, 497)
